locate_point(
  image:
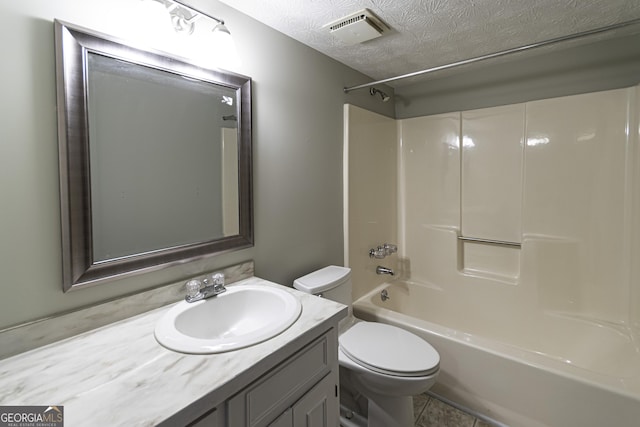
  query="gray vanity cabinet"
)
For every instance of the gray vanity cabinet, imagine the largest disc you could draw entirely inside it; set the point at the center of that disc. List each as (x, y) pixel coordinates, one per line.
(317, 408)
(213, 418)
(301, 391)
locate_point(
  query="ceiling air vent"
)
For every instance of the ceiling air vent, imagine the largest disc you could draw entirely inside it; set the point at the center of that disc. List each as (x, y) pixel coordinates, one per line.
(358, 27)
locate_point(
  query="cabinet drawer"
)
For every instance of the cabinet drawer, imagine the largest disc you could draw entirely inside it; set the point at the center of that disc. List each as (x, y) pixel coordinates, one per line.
(263, 401)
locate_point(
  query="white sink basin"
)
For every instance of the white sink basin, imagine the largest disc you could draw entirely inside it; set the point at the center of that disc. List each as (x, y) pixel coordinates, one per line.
(242, 316)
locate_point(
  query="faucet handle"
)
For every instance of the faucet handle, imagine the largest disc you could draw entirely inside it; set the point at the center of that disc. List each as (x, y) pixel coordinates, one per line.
(218, 282)
(390, 249)
(383, 250)
(377, 253)
(218, 279)
(193, 288)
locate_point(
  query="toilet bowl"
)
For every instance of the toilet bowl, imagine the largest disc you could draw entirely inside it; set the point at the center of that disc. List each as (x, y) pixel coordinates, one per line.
(386, 364)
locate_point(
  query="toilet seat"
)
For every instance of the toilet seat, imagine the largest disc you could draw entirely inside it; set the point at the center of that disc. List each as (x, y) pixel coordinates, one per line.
(389, 350)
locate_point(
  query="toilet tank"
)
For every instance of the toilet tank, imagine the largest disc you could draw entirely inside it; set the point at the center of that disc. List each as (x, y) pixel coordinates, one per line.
(332, 282)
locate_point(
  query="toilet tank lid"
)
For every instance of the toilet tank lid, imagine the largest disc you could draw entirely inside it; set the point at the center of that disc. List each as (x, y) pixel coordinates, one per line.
(322, 280)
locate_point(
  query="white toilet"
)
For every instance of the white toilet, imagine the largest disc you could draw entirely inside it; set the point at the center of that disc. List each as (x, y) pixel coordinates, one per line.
(386, 364)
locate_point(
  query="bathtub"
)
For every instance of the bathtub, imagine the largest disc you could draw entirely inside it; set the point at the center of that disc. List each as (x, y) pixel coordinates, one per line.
(535, 369)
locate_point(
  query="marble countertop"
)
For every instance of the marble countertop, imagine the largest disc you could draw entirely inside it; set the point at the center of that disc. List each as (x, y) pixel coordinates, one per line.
(119, 375)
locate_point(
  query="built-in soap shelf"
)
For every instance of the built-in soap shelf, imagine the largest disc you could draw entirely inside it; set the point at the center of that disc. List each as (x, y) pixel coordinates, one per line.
(491, 259)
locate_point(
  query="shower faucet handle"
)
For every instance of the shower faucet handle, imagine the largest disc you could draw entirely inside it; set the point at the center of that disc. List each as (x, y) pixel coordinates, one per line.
(390, 249)
(377, 253)
(382, 251)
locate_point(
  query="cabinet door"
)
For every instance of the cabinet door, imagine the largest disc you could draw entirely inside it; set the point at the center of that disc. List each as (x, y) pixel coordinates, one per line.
(319, 407)
(284, 420)
(268, 397)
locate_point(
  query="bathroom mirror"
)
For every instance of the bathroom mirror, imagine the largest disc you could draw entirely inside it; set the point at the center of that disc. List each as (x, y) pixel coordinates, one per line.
(155, 158)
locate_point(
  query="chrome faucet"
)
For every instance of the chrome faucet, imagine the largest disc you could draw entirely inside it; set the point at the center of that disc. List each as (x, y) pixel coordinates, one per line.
(383, 250)
(384, 270)
(197, 290)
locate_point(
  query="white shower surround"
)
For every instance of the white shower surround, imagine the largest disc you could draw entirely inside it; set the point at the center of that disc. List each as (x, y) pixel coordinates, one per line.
(542, 335)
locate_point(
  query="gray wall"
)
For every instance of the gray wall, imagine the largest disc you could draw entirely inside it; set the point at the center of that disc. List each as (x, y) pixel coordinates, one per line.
(298, 131)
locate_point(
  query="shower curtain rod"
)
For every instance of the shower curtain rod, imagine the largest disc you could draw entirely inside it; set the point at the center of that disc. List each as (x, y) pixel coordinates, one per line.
(496, 54)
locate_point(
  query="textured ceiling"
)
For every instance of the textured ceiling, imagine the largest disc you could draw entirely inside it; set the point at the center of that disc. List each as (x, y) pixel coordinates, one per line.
(428, 33)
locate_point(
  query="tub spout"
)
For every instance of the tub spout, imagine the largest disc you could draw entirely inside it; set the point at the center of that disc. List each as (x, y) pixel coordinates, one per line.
(384, 270)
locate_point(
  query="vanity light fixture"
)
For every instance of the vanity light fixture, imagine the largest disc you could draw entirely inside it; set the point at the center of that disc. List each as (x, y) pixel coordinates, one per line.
(180, 19)
(183, 19)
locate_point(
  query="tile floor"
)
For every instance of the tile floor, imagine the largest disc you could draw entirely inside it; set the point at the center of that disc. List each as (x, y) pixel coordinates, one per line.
(430, 412)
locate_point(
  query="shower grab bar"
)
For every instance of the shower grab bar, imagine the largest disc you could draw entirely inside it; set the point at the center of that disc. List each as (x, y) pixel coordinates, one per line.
(490, 241)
